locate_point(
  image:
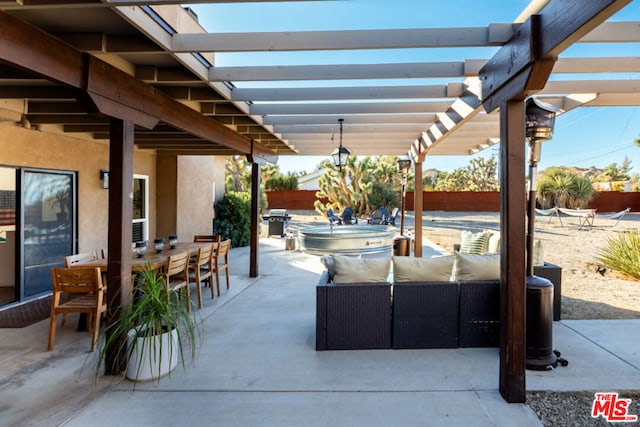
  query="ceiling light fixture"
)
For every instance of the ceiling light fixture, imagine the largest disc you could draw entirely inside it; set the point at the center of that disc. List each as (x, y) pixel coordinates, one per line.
(341, 154)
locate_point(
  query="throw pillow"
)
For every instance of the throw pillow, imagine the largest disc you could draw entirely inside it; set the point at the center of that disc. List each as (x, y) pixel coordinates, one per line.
(360, 270)
(410, 269)
(493, 245)
(477, 267)
(329, 264)
(327, 261)
(473, 243)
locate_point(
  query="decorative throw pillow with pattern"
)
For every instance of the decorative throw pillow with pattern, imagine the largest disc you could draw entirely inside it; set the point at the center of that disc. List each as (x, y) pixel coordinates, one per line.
(474, 243)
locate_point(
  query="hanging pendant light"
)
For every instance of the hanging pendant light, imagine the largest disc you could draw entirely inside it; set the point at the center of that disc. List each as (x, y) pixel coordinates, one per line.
(341, 154)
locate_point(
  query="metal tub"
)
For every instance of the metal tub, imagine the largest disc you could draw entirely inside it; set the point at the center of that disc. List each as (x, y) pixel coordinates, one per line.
(346, 239)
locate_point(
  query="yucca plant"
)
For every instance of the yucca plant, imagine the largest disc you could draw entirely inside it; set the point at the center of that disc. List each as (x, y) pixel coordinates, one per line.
(622, 253)
(151, 313)
(562, 188)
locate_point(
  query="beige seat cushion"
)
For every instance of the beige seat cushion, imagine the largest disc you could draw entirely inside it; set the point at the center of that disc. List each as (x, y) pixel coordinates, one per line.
(360, 270)
(477, 267)
(410, 269)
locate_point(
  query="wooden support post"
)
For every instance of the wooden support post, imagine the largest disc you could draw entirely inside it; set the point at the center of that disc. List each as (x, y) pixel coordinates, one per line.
(417, 209)
(512, 267)
(119, 229)
(255, 219)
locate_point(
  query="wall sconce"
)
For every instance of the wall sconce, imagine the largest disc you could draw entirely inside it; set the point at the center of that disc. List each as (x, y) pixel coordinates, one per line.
(104, 177)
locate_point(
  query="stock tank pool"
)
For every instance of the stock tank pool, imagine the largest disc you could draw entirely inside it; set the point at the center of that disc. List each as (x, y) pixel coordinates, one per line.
(346, 239)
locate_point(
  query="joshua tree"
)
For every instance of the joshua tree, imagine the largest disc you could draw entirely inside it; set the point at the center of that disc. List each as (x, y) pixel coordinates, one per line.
(362, 185)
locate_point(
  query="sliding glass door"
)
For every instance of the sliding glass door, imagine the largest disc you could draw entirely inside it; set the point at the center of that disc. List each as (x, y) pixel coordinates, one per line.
(8, 288)
(47, 226)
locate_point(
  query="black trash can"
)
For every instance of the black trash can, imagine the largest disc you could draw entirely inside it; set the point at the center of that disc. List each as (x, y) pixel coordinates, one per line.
(401, 245)
(539, 337)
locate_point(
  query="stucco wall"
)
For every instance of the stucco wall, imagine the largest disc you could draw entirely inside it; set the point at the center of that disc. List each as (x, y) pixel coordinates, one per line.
(195, 195)
(166, 194)
(30, 148)
(187, 188)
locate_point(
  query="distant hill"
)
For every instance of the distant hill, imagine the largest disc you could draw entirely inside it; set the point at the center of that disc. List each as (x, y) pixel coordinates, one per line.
(430, 173)
(591, 172)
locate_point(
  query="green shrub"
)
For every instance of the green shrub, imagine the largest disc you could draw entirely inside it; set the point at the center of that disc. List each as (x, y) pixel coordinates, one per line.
(622, 253)
(233, 218)
(383, 194)
(282, 182)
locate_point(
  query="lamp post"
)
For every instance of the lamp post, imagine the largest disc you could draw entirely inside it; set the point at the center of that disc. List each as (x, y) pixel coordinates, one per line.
(403, 169)
(341, 154)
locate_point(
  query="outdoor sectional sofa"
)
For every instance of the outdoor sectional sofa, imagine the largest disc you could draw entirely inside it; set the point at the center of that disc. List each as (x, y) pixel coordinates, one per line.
(409, 314)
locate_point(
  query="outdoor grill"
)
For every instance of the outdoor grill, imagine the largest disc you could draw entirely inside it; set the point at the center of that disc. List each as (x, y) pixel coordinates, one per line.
(278, 220)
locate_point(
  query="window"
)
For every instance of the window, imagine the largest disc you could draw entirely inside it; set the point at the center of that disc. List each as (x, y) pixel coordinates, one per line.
(140, 208)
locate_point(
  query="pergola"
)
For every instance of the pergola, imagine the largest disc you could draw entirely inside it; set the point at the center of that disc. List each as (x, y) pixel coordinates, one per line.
(143, 73)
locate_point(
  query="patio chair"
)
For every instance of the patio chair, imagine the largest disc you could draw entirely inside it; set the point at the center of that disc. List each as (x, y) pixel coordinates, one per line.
(220, 261)
(333, 218)
(379, 216)
(200, 270)
(348, 217)
(391, 220)
(206, 238)
(616, 216)
(84, 293)
(70, 260)
(176, 275)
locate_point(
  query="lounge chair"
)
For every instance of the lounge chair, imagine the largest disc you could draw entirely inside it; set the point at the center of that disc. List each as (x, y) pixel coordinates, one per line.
(585, 216)
(616, 216)
(348, 217)
(379, 216)
(551, 212)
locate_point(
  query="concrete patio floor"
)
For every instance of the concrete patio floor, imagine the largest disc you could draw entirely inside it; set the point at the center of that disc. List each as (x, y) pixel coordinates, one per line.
(257, 365)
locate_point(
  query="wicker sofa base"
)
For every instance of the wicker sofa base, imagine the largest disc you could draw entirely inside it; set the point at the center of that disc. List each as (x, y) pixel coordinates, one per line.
(359, 316)
(425, 315)
(354, 316)
(414, 315)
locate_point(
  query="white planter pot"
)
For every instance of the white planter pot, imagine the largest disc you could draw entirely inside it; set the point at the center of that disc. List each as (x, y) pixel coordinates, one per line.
(147, 362)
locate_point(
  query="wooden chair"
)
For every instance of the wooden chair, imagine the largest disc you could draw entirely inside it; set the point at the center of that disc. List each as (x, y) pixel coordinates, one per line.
(206, 238)
(220, 261)
(84, 293)
(70, 260)
(176, 275)
(200, 270)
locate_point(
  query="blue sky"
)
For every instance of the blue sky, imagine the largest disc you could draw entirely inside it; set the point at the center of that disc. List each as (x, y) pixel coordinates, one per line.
(587, 136)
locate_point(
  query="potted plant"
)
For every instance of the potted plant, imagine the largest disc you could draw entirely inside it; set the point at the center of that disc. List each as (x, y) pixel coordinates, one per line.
(153, 332)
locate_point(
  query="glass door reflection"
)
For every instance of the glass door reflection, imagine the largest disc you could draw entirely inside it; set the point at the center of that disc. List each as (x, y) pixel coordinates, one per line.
(47, 227)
